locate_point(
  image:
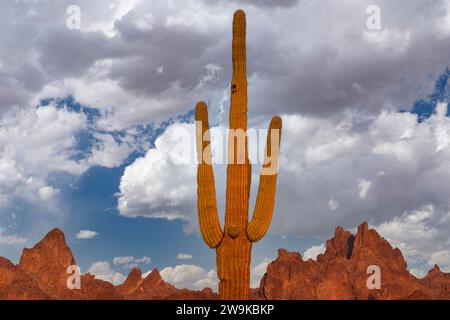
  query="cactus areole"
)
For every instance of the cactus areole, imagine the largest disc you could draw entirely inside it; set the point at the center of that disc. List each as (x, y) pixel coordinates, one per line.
(233, 244)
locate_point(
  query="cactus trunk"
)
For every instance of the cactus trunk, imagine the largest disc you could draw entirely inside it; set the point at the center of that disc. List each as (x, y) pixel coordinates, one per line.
(233, 245)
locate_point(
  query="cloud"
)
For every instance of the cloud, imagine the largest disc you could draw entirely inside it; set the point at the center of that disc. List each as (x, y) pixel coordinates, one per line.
(184, 256)
(116, 76)
(333, 204)
(47, 192)
(86, 234)
(313, 252)
(190, 276)
(364, 187)
(144, 260)
(195, 277)
(154, 185)
(418, 272)
(402, 162)
(262, 3)
(421, 235)
(107, 152)
(103, 271)
(441, 258)
(130, 262)
(6, 239)
(257, 272)
(36, 143)
(123, 260)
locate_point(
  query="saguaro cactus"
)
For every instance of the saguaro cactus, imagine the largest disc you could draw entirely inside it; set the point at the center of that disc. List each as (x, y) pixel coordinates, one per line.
(233, 244)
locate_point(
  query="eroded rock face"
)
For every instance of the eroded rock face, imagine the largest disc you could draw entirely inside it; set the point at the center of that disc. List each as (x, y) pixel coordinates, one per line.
(153, 287)
(42, 274)
(339, 273)
(342, 272)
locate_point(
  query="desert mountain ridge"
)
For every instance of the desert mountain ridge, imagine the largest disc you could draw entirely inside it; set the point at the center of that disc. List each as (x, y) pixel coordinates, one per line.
(341, 272)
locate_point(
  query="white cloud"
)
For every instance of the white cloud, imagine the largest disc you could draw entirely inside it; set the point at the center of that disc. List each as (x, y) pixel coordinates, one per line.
(130, 262)
(421, 235)
(144, 260)
(123, 260)
(441, 258)
(257, 272)
(6, 239)
(86, 234)
(103, 271)
(418, 272)
(154, 185)
(195, 277)
(333, 204)
(190, 276)
(35, 143)
(39, 143)
(184, 256)
(47, 192)
(313, 252)
(364, 187)
(107, 152)
(402, 162)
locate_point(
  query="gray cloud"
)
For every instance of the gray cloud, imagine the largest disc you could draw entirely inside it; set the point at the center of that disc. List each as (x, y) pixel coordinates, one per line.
(259, 3)
(305, 59)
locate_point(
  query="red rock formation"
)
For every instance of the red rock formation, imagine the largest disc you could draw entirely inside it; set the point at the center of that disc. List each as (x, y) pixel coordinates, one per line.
(153, 287)
(341, 272)
(131, 283)
(439, 282)
(41, 274)
(17, 284)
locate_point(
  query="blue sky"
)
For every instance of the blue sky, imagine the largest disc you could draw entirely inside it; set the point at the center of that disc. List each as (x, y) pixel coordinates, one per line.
(89, 119)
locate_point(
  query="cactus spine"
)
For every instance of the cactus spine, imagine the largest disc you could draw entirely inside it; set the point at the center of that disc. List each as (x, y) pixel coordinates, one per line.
(233, 244)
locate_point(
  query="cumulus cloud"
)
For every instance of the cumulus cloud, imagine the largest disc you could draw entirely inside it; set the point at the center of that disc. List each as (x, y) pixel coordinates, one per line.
(190, 276)
(402, 162)
(156, 185)
(8, 239)
(123, 260)
(115, 74)
(364, 186)
(86, 234)
(35, 143)
(47, 192)
(441, 258)
(144, 260)
(184, 256)
(38, 143)
(313, 252)
(421, 235)
(103, 271)
(130, 262)
(107, 151)
(257, 272)
(195, 277)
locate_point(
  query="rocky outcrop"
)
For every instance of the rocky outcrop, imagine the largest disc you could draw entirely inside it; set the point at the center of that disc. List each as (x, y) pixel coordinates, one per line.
(343, 270)
(153, 287)
(42, 274)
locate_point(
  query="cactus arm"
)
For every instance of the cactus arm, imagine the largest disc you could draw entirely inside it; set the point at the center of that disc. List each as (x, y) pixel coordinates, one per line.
(207, 208)
(265, 200)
